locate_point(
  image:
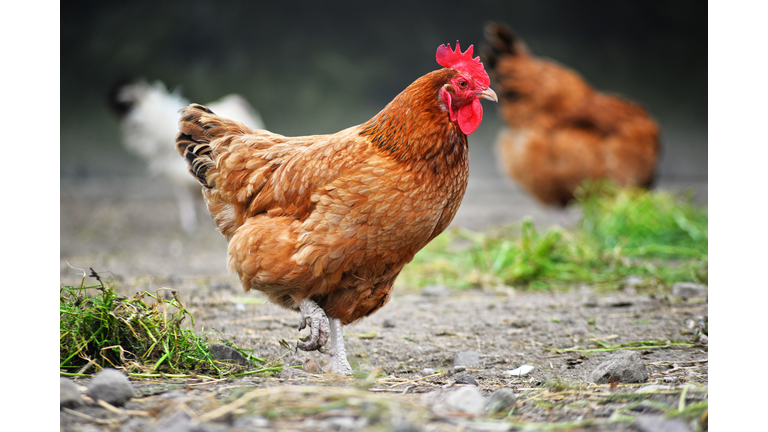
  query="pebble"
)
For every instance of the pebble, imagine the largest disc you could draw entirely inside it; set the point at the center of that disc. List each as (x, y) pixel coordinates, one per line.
(69, 395)
(466, 358)
(688, 290)
(465, 379)
(228, 354)
(111, 386)
(388, 323)
(623, 366)
(463, 399)
(501, 400)
(659, 424)
(466, 399)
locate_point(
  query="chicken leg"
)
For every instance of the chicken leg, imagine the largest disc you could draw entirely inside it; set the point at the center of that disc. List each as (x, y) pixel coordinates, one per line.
(338, 363)
(320, 328)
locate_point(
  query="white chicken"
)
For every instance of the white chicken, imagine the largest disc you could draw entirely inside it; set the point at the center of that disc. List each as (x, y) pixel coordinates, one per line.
(149, 126)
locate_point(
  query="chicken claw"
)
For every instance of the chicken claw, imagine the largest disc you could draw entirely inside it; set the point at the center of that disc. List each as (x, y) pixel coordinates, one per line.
(320, 329)
(314, 318)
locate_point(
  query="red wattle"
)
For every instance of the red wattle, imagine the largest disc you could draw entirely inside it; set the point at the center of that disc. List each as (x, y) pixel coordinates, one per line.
(470, 116)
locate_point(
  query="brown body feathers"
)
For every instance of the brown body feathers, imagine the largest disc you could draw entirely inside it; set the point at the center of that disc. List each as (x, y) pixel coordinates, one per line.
(560, 131)
(332, 218)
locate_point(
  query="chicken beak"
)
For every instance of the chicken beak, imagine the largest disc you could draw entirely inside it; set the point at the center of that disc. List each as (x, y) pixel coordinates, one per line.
(488, 94)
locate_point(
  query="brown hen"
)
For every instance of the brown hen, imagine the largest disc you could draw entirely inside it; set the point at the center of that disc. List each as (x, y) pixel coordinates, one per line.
(323, 224)
(562, 132)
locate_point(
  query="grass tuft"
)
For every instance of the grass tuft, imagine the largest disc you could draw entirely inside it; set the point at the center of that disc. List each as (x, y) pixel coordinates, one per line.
(141, 335)
(656, 236)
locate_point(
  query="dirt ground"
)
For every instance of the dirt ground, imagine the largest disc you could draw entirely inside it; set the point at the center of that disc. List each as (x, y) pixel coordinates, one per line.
(126, 228)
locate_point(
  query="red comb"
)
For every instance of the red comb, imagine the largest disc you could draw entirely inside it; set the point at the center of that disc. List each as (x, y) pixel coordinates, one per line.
(463, 62)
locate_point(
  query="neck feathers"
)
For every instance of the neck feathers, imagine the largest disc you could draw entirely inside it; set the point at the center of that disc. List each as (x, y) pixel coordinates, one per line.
(416, 125)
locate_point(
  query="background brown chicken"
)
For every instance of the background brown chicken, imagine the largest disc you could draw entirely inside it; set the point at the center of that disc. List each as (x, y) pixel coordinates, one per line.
(325, 223)
(561, 131)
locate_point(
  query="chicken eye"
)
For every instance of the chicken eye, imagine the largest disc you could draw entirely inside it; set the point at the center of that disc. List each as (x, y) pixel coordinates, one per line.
(463, 84)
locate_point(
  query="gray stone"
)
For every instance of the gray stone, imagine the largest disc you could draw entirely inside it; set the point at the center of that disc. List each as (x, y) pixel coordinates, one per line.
(623, 367)
(688, 290)
(69, 395)
(388, 323)
(500, 401)
(463, 399)
(465, 379)
(659, 424)
(466, 399)
(466, 358)
(228, 354)
(111, 386)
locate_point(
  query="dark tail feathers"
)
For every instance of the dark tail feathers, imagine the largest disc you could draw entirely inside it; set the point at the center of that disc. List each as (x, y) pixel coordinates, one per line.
(500, 41)
(192, 142)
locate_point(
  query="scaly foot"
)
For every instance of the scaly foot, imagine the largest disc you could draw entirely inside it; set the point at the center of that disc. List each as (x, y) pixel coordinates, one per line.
(338, 364)
(313, 317)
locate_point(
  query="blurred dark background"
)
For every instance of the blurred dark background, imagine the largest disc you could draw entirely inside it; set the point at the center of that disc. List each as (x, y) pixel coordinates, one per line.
(318, 67)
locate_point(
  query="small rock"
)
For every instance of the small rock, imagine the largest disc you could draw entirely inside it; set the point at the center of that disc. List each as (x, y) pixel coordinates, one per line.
(465, 379)
(435, 291)
(427, 371)
(228, 354)
(623, 366)
(464, 399)
(111, 386)
(502, 400)
(521, 371)
(466, 358)
(388, 323)
(688, 290)
(69, 395)
(659, 424)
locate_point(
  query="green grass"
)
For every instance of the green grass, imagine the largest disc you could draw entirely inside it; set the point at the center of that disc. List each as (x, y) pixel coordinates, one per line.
(142, 335)
(656, 236)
